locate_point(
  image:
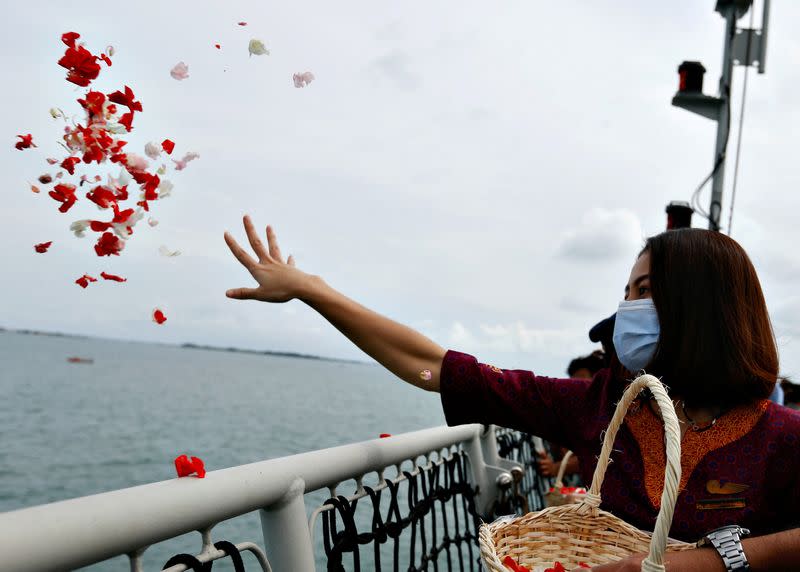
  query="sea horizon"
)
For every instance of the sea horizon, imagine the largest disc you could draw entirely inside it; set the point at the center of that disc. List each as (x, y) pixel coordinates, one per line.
(185, 345)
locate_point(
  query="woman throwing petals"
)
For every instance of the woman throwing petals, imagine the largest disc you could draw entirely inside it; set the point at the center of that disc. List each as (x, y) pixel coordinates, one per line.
(694, 315)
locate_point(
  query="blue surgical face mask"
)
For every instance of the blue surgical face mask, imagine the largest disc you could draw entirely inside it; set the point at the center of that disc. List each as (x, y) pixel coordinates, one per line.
(636, 333)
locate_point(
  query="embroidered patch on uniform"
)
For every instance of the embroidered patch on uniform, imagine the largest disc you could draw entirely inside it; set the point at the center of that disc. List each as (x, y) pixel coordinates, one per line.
(716, 487)
(648, 431)
(719, 504)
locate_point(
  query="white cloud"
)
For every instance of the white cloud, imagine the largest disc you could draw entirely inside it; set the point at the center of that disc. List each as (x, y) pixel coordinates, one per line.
(546, 349)
(396, 66)
(459, 336)
(603, 235)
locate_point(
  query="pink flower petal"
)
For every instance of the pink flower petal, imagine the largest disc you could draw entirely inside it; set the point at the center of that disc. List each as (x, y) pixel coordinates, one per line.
(180, 71)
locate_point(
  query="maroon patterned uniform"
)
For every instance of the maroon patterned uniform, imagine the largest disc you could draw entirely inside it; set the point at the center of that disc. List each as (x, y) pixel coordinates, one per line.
(744, 470)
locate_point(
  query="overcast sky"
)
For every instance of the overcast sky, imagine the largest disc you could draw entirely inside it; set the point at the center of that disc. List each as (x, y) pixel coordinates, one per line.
(483, 172)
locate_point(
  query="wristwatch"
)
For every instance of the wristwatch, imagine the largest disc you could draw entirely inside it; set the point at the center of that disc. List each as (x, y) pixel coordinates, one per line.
(728, 542)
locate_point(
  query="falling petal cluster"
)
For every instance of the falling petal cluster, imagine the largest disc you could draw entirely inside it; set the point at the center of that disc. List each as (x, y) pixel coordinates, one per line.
(98, 139)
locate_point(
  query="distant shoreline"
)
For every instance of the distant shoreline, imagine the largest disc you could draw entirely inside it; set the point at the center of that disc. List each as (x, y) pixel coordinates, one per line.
(188, 346)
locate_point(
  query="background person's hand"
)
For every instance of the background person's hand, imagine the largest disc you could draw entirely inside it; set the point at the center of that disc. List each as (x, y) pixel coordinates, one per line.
(546, 466)
(278, 280)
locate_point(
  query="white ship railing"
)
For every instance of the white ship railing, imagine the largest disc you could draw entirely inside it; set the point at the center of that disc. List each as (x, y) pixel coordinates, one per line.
(79, 532)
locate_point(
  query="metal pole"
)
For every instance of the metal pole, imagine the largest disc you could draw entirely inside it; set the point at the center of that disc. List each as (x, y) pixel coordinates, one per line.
(487, 490)
(286, 534)
(723, 121)
(762, 57)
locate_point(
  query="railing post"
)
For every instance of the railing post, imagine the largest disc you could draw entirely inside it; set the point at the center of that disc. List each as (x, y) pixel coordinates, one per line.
(286, 534)
(489, 445)
(482, 476)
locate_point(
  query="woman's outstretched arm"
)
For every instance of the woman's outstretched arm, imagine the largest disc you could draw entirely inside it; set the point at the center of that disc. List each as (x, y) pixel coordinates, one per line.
(401, 350)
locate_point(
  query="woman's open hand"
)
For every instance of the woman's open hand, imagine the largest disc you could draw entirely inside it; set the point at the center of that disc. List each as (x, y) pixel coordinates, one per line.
(278, 280)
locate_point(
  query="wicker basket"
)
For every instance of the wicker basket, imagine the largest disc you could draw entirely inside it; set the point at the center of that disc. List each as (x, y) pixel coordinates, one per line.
(554, 497)
(574, 533)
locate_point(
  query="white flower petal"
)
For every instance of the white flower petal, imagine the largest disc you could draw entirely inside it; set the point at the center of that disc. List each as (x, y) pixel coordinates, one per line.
(152, 150)
(257, 48)
(79, 227)
(165, 189)
(164, 251)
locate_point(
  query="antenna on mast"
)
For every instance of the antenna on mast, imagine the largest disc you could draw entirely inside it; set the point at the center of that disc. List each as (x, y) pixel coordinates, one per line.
(742, 47)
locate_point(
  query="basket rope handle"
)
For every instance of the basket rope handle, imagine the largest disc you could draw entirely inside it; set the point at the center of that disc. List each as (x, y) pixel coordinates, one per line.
(561, 470)
(672, 477)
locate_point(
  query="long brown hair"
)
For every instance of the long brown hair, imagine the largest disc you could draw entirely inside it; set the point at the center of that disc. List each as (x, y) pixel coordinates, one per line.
(716, 346)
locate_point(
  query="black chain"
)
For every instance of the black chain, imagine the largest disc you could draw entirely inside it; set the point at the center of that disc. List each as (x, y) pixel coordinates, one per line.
(192, 563)
(442, 539)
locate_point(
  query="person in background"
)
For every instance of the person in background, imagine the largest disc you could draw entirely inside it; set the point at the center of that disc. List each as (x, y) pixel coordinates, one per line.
(603, 333)
(791, 392)
(584, 367)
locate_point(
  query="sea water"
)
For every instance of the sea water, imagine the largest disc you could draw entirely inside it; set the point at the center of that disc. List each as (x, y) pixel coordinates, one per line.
(73, 429)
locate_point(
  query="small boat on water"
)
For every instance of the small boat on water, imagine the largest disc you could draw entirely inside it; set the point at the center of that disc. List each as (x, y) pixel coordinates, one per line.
(75, 359)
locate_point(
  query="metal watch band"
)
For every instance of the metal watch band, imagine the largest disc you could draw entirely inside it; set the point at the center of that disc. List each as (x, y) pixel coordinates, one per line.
(728, 542)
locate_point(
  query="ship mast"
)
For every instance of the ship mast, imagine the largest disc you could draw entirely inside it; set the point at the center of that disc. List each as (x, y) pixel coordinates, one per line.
(743, 47)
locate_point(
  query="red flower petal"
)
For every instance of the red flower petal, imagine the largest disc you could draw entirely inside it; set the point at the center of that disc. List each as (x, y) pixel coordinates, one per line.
(217, 46)
(185, 467)
(102, 196)
(25, 143)
(168, 146)
(509, 563)
(69, 163)
(65, 194)
(159, 317)
(69, 38)
(150, 188)
(99, 226)
(242, 23)
(42, 247)
(108, 245)
(199, 467)
(81, 64)
(126, 119)
(127, 99)
(84, 280)
(114, 277)
(384, 435)
(94, 102)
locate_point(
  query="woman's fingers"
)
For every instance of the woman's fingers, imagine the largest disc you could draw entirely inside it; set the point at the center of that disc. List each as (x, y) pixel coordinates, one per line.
(290, 261)
(255, 241)
(241, 293)
(272, 241)
(239, 252)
